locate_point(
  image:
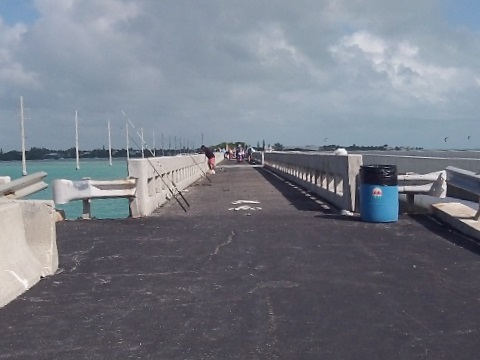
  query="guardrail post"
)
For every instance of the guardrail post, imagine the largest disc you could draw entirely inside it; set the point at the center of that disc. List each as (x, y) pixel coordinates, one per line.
(86, 213)
(477, 215)
(410, 202)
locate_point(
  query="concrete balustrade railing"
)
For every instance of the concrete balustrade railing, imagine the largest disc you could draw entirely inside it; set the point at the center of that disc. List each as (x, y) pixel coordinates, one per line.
(156, 179)
(332, 177)
(421, 164)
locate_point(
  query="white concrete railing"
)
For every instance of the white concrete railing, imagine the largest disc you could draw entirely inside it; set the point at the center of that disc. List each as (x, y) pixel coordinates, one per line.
(150, 182)
(419, 164)
(259, 157)
(159, 178)
(332, 177)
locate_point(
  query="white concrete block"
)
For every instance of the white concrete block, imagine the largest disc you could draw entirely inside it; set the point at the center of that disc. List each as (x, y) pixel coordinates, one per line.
(19, 268)
(39, 218)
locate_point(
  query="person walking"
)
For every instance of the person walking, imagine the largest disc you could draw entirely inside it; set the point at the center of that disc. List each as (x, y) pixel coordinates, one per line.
(210, 158)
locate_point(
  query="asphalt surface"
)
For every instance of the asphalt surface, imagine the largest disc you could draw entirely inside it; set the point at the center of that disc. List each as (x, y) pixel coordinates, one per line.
(287, 278)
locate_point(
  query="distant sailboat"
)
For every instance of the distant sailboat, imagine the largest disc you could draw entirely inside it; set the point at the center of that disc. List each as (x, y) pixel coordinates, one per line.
(22, 130)
(77, 156)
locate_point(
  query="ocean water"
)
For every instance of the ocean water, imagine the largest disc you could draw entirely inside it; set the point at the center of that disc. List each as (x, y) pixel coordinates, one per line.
(96, 169)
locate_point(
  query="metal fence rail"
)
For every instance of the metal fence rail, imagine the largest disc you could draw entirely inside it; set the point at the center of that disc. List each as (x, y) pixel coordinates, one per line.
(23, 186)
(465, 180)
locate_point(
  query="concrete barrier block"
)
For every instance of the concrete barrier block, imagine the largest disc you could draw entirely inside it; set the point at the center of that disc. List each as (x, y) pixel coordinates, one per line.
(19, 268)
(39, 218)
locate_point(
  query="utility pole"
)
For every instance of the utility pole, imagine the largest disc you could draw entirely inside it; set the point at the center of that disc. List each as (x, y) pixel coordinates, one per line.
(22, 130)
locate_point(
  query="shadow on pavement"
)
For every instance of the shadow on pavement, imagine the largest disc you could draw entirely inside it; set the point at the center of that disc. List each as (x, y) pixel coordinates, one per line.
(447, 233)
(300, 198)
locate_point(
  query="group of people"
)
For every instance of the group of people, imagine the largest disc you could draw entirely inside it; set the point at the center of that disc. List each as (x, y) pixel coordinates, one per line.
(238, 154)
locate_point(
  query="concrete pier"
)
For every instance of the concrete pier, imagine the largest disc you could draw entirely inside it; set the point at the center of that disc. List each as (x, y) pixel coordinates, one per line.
(280, 275)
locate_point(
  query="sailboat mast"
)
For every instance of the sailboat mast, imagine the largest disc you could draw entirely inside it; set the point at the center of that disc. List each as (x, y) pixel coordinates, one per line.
(22, 130)
(109, 145)
(143, 143)
(128, 145)
(154, 144)
(76, 140)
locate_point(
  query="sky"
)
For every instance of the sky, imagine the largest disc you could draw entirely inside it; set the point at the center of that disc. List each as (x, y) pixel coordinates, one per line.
(304, 72)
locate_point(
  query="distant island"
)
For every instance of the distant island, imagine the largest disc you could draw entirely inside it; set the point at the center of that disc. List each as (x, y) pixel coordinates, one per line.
(45, 154)
(49, 154)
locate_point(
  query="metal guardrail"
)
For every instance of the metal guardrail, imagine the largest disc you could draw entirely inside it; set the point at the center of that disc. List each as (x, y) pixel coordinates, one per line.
(65, 191)
(433, 184)
(24, 186)
(465, 180)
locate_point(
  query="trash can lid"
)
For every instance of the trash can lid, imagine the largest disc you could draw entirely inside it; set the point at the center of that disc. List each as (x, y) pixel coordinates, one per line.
(379, 174)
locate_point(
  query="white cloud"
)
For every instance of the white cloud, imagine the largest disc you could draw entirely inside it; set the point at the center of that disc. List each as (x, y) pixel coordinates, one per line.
(276, 52)
(404, 69)
(12, 72)
(292, 73)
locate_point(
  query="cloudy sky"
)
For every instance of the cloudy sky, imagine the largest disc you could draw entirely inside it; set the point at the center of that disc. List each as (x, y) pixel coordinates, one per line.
(304, 72)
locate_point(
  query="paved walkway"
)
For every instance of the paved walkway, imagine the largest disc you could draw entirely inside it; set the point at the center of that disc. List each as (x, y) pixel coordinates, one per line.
(285, 279)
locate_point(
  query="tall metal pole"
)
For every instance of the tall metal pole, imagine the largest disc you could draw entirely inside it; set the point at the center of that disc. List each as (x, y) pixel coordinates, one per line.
(163, 147)
(128, 145)
(109, 146)
(143, 143)
(153, 145)
(77, 155)
(22, 130)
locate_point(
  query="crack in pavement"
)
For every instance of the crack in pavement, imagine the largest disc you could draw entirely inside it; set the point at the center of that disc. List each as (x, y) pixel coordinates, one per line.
(218, 247)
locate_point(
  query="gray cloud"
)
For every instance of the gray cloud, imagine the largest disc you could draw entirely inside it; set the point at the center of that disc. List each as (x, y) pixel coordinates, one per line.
(364, 72)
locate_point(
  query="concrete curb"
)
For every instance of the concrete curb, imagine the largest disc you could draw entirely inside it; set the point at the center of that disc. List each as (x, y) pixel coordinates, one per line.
(458, 216)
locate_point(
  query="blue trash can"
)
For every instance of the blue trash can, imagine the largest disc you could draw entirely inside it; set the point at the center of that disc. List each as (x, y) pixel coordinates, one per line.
(378, 193)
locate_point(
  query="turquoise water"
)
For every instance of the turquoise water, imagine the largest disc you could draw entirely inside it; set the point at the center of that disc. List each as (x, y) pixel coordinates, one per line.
(96, 169)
